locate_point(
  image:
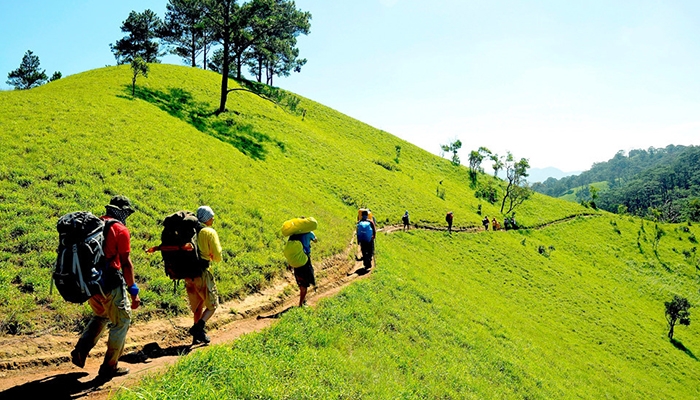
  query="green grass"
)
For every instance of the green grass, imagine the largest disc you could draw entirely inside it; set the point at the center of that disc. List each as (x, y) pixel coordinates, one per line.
(484, 315)
(73, 143)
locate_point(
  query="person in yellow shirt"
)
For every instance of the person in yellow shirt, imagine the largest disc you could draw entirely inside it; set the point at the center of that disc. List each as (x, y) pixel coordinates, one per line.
(201, 290)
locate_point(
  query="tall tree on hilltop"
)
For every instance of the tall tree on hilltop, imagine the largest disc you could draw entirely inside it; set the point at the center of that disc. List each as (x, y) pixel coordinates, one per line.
(184, 29)
(517, 189)
(276, 24)
(476, 157)
(497, 163)
(138, 67)
(142, 29)
(453, 148)
(221, 16)
(29, 74)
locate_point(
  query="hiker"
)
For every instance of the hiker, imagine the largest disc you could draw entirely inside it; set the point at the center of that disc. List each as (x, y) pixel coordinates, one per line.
(485, 222)
(449, 217)
(495, 225)
(405, 221)
(366, 234)
(114, 306)
(201, 290)
(304, 275)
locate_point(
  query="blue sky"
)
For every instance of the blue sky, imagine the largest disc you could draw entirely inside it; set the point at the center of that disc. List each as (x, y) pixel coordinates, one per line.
(562, 83)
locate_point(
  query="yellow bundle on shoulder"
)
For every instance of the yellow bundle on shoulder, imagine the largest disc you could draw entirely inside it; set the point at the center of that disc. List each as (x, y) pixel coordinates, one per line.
(299, 225)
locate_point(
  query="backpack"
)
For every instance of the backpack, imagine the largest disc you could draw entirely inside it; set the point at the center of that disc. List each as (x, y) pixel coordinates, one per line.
(364, 231)
(294, 252)
(80, 264)
(179, 229)
(369, 214)
(448, 217)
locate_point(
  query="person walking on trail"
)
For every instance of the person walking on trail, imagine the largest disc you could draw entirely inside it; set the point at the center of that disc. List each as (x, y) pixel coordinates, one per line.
(405, 221)
(201, 290)
(449, 217)
(304, 275)
(485, 222)
(495, 225)
(366, 234)
(113, 306)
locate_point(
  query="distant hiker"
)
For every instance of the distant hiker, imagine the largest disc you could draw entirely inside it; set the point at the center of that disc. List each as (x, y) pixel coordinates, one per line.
(509, 222)
(485, 222)
(495, 225)
(112, 306)
(366, 234)
(405, 221)
(201, 290)
(449, 217)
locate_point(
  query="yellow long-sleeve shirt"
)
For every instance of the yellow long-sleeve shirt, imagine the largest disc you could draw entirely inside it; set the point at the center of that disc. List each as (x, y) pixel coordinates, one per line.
(209, 245)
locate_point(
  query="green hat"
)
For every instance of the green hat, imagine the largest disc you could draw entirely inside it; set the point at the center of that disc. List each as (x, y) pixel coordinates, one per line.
(120, 202)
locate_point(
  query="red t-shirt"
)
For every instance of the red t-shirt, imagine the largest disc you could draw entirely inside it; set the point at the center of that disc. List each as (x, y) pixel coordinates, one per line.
(118, 243)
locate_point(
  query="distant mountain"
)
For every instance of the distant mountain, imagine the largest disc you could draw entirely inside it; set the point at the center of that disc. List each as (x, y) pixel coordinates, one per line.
(542, 174)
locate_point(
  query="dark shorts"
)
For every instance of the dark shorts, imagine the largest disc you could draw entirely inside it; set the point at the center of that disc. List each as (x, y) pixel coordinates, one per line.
(367, 249)
(305, 275)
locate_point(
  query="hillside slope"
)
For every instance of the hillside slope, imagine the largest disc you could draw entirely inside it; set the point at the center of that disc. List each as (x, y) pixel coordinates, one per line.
(73, 143)
(572, 310)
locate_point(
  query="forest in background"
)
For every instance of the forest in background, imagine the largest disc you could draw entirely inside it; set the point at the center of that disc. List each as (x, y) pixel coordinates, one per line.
(658, 183)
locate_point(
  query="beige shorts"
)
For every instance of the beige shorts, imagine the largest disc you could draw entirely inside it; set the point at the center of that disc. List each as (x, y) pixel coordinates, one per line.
(201, 292)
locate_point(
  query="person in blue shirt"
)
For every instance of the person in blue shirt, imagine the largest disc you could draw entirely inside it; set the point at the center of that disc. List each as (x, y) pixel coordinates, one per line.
(305, 275)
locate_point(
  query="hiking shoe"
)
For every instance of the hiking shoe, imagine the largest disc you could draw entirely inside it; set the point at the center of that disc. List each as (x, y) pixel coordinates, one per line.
(109, 372)
(200, 337)
(77, 359)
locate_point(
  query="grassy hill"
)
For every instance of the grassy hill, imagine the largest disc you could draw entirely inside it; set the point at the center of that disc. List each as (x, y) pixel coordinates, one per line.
(573, 310)
(570, 194)
(73, 143)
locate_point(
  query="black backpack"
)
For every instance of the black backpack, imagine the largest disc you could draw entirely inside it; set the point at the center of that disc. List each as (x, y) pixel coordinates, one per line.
(80, 266)
(179, 229)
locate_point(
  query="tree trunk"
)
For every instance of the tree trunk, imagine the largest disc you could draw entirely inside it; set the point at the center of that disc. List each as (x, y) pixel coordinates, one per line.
(193, 50)
(505, 196)
(224, 76)
(670, 332)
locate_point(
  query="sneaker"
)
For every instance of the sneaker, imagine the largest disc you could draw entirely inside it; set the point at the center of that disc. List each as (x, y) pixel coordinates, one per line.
(109, 372)
(77, 359)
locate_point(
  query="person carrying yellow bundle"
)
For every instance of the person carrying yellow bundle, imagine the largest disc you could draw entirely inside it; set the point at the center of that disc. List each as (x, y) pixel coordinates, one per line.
(297, 251)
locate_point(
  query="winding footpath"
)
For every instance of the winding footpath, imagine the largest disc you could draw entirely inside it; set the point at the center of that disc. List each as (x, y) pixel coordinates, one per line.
(32, 366)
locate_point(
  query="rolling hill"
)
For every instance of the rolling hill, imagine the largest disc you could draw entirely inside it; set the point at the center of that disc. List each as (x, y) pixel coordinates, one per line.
(569, 307)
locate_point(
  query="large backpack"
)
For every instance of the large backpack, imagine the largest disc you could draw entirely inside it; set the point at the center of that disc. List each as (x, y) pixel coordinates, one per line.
(294, 252)
(80, 265)
(364, 231)
(179, 229)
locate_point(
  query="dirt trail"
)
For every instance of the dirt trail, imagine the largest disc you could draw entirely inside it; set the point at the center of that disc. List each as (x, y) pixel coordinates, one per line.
(38, 364)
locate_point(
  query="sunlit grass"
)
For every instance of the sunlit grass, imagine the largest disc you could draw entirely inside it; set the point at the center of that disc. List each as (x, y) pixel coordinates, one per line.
(73, 143)
(475, 316)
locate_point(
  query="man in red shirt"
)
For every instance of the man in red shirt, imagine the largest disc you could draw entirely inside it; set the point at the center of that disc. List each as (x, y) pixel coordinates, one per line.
(114, 307)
